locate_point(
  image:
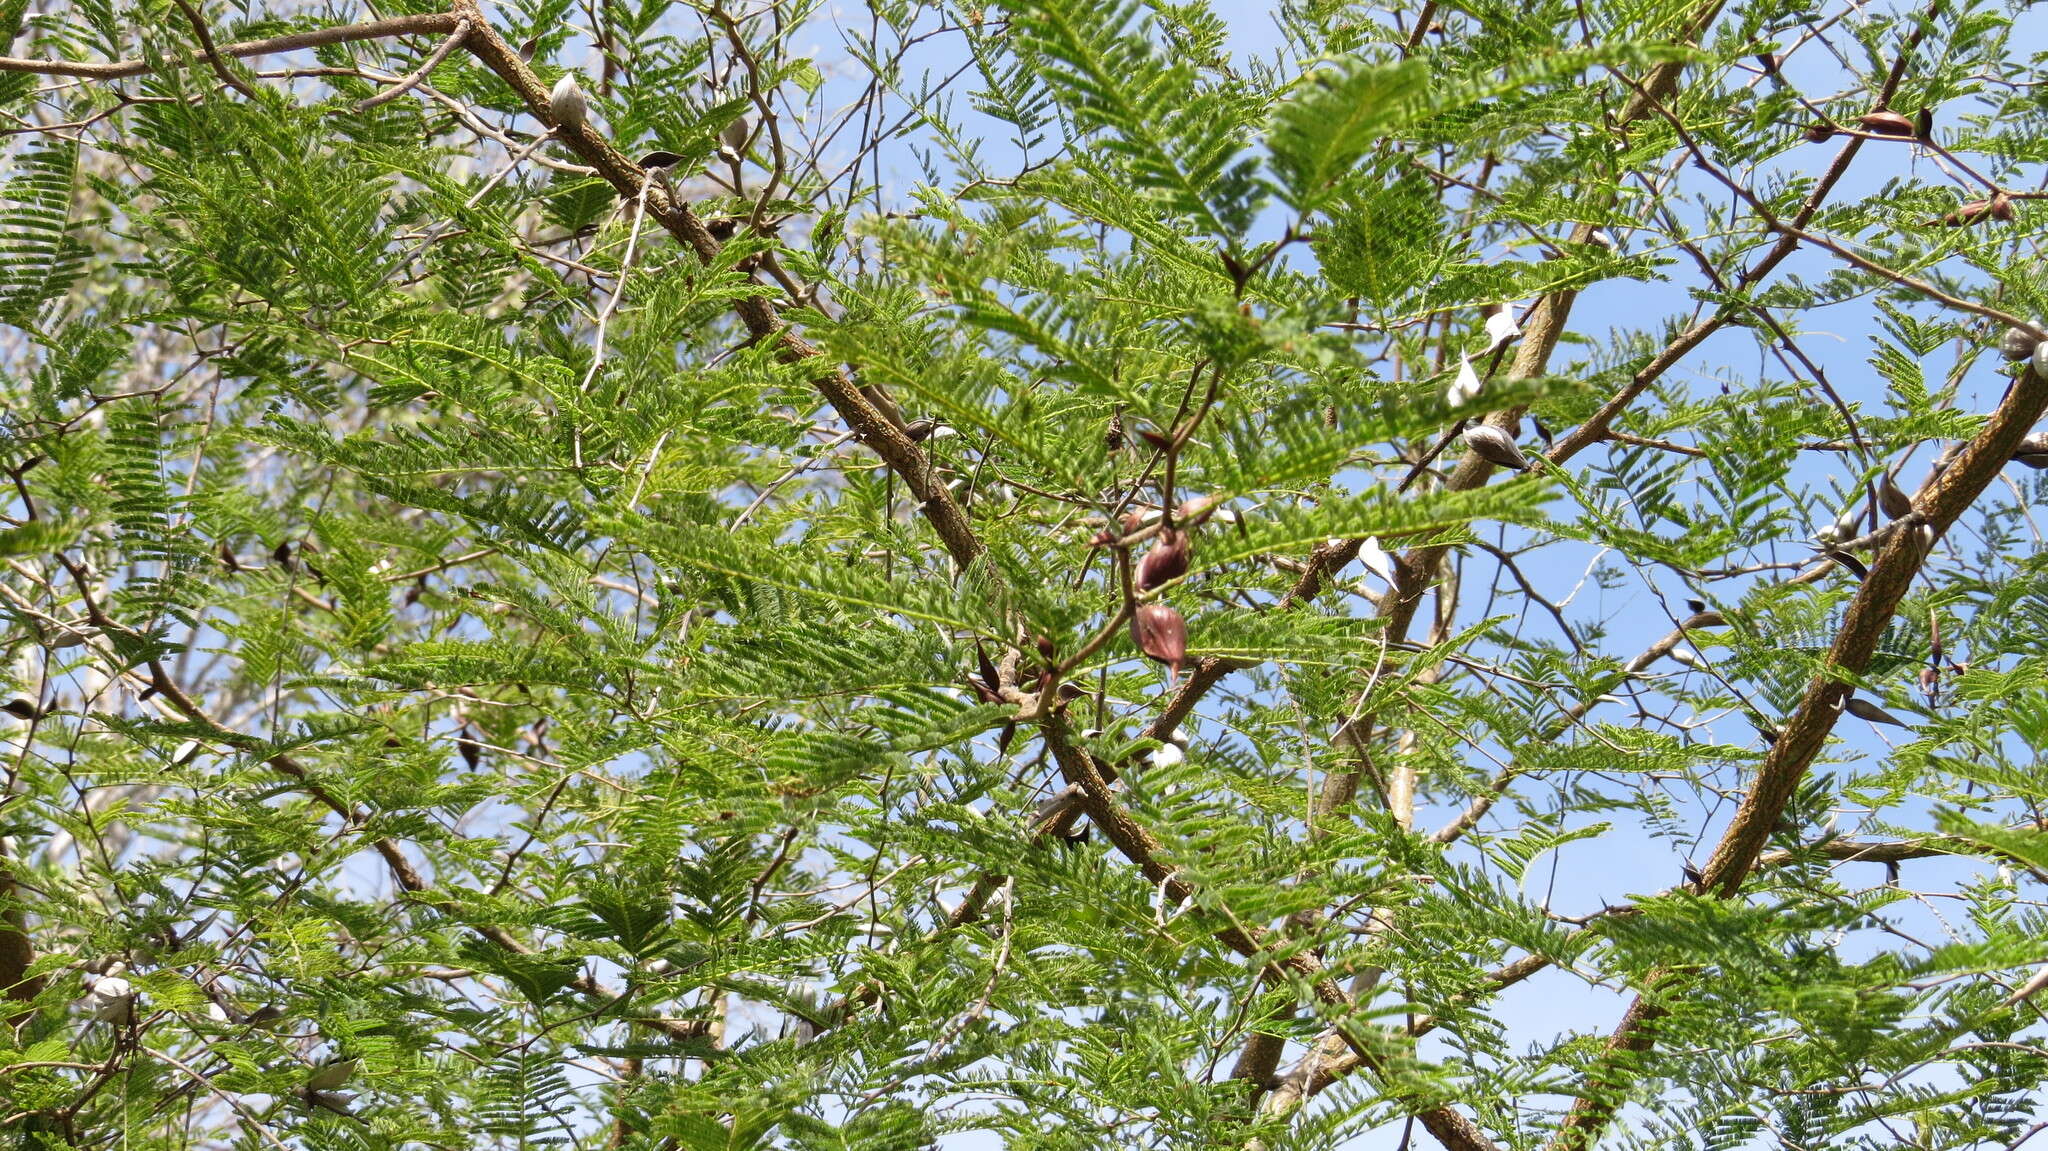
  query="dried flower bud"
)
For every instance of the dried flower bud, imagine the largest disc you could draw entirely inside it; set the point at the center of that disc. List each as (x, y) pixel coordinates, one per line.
(1495, 446)
(2016, 345)
(1887, 124)
(1167, 561)
(1160, 632)
(567, 104)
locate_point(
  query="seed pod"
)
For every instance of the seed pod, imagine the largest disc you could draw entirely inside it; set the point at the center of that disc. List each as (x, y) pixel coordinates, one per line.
(2033, 451)
(332, 1074)
(1923, 124)
(2016, 345)
(1196, 512)
(1893, 499)
(1998, 208)
(1495, 446)
(1160, 632)
(1871, 713)
(660, 158)
(1500, 328)
(736, 134)
(1849, 523)
(1820, 133)
(567, 104)
(1168, 755)
(1167, 561)
(2041, 359)
(1155, 440)
(1887, 124)
(1467, 386)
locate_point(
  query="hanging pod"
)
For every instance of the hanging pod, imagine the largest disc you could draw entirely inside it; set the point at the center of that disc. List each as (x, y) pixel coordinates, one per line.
(567, 104)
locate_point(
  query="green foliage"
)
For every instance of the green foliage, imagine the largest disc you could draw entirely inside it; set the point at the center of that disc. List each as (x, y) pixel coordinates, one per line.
(496, 654)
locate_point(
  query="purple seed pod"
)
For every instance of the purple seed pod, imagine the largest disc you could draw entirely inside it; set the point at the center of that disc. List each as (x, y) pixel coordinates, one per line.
(1161, 633)
(1168, 560)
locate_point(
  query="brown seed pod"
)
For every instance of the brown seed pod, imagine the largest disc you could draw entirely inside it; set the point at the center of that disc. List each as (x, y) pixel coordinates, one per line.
(1155, 440)
(1998, 208)
(1820, 133)
(1893, 499)
(1167, 561)
(2015, 345)
(1160, 632)
(1887, 124)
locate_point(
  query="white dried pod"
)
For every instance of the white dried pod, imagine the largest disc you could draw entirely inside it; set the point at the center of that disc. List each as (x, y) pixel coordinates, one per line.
(1495, 446)
(1688, 657)
(1376, 559)
(2016, 344)
(567, 104)
(1467, 386)
(1500, 328)
(2041, 359)
(1850, 523)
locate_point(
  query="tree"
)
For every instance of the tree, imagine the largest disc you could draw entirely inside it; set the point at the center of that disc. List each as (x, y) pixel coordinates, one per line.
(576, 574)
